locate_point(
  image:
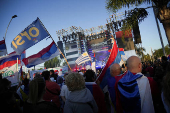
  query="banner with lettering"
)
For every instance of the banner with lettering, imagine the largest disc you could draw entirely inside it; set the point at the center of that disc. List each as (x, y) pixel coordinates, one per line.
(12, 75)
(31, 35)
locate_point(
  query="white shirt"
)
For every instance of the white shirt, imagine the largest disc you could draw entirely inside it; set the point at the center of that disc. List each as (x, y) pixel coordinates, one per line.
(64, 91)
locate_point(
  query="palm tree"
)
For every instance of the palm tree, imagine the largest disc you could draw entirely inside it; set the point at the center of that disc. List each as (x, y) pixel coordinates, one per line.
(140, 50)
(139, 14)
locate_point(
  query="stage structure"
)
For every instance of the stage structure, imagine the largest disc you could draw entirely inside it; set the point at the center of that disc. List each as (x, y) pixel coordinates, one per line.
(77, 41)
(97, 41)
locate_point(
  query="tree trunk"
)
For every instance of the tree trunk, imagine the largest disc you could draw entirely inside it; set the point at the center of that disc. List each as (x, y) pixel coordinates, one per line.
(166, 25)
(164, 17)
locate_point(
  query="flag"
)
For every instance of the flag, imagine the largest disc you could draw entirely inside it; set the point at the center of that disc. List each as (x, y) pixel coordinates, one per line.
(135, 93)
(31, 35)
(23, 55)
(12, 75)
(9, 60)
(3, 50)
(121, 51)
(83, 58)
(45, 54)
(126, 43)
(98, 96)
(114, 57)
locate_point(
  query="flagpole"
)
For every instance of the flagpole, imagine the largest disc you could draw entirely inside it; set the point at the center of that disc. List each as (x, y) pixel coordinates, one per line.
(17, 71)
(17, 64)
(55, 44)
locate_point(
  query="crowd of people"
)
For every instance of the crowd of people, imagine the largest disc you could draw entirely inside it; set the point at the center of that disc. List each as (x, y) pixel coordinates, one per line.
(134, 87)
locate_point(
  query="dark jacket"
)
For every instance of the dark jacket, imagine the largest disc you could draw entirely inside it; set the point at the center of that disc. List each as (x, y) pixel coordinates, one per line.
(40, 107)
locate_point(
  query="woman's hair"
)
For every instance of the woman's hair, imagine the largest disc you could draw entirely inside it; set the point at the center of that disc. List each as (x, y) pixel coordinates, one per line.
(89, 76)
(46, 75)
(75, 81)
(36, 89)
(166, 87)
(52, 71)
(37, 75)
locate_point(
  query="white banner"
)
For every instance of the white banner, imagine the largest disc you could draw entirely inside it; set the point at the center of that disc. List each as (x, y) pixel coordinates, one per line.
(32, 73)
(12, 75)
(61, 70)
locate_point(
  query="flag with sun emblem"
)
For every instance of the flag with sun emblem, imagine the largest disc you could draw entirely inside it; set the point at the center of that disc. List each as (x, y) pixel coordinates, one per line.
(83, 58)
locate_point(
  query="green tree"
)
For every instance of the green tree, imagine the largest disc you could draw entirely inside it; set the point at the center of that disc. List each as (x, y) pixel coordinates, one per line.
(64, 63)
(139, 50)
(147, 57)
(159, 52)
(139, 14)
(55, 62)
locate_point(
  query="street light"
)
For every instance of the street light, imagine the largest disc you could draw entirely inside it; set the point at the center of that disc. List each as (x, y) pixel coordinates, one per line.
(14, 16)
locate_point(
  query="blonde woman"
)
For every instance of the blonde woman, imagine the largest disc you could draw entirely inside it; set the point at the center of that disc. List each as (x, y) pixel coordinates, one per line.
(80, 99)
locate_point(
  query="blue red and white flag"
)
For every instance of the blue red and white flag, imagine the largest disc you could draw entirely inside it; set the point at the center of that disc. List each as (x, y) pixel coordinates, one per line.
(31, 35)
(9, 60)
(114, 57)
(3, 50)
(98, 96)
(44, 55)
(121, 51)
(23, 55)
(135, 94)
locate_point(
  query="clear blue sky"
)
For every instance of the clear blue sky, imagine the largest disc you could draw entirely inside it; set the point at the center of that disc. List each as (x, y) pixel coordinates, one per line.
(60, 14)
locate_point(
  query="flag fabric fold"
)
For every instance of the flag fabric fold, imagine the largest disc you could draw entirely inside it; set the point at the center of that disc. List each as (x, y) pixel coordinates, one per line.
(135, 93)
(9, 60)
(114, 57)
(23, 55)
(83, 58)
(3, 50)
(45, 54)
(121, 51)
(130, 97)
(31, 35)
(98, 96)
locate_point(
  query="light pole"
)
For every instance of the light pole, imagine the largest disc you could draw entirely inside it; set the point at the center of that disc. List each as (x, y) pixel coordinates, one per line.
(9, 24)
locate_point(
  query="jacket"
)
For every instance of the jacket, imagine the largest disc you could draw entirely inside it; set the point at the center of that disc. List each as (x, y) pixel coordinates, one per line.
(80, 101)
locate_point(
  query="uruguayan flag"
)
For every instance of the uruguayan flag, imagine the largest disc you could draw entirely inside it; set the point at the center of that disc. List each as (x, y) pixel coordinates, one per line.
(83, 58)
